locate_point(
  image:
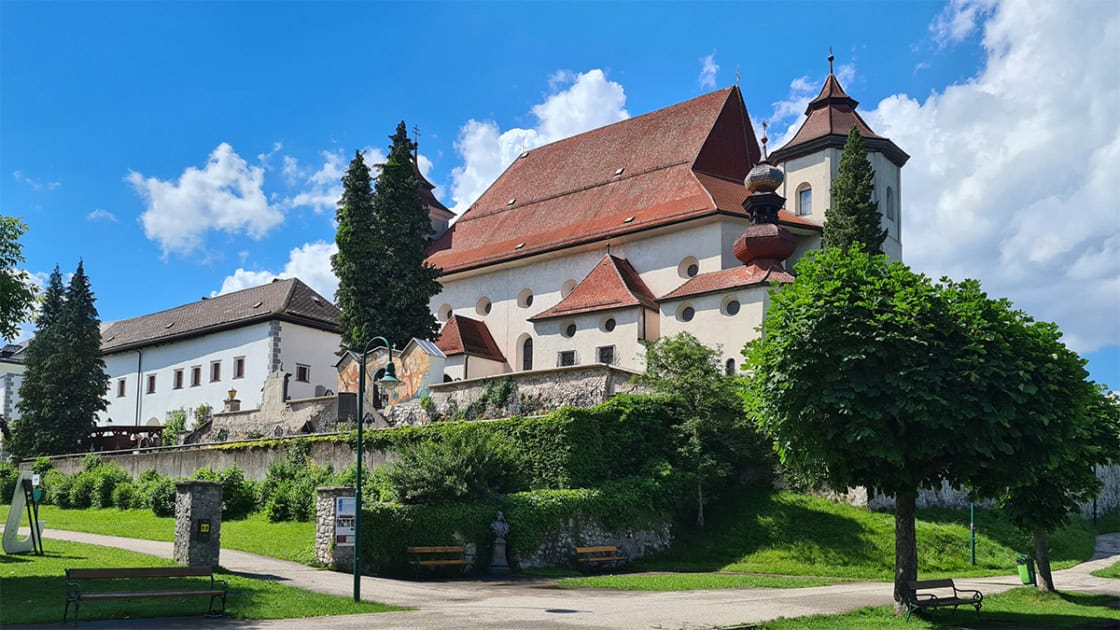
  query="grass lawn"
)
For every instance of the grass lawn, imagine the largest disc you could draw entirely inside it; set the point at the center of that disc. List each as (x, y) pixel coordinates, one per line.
(1108, 572)
(292, 540)
(790, 534)
(1018, 608)
(34, 590)
(691, 581)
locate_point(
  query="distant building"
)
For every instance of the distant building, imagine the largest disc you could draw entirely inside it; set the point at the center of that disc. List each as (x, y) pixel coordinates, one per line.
(11, 377)
(194, 354)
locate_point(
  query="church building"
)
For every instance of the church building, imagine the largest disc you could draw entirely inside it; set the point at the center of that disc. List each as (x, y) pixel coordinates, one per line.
(642, 229)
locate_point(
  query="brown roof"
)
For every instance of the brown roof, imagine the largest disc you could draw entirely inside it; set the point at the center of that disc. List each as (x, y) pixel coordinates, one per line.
(288, 300)
(829, 118)
(463, 335)
(729, 196)
(570, 192)
(429, 197)
(613, 283)
(734, 278)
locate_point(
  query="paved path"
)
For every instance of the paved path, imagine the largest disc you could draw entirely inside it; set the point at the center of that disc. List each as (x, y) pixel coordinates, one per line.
(540, 604)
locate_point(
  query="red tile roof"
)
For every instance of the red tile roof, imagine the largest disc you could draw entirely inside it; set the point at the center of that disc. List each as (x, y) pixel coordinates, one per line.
(463, 335)
(734, 278)
(729, 197)
(613, 283)
(570, 192)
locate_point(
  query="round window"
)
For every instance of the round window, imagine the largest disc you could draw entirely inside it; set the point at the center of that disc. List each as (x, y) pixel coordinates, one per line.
(445, 312)
(687, 313)
(483, 306)
(732, 307)
(570, 331)
(688, 267)
(525, 298)
(692, 270)
(609, 325)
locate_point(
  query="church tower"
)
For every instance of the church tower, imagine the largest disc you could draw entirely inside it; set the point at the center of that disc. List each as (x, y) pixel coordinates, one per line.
(811, 161)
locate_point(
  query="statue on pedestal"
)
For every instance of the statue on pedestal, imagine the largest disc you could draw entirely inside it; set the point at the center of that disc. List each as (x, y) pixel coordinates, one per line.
(498, 563)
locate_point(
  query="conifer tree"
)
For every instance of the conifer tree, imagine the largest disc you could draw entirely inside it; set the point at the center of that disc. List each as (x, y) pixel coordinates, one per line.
(86, 383)
(384, 282)
(32, 433)
(853, 216)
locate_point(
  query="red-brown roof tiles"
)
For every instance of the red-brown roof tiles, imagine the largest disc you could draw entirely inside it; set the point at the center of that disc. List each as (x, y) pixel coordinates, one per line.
(734, 278)
(463, 335)
(613, 283)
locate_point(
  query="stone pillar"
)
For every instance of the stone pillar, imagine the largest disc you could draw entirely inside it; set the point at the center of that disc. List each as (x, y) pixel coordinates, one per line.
(198, 522)
(327, 551)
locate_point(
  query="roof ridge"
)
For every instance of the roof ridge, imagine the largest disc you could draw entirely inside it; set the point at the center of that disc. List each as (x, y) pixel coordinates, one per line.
(220, 296)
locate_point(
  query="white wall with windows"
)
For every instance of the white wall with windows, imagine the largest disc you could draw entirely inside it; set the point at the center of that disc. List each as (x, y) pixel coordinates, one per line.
(309, 355)
(726, 320)
(612, 337)
(11, 377)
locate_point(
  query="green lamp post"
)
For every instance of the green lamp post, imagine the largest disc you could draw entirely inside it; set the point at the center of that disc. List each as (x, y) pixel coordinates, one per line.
(388, 381)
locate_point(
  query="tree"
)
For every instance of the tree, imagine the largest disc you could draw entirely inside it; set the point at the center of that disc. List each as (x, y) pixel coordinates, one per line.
(853, 217)
(17, 294)
(867, 374)
(64, 382)
(714, 433)
(384, 282)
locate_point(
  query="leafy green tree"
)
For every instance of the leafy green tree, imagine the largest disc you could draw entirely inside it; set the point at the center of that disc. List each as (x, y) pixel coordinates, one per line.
(176, 423)
(853, 217)
(714, 434)
(869, 374)
(384, 282)
(17, 294)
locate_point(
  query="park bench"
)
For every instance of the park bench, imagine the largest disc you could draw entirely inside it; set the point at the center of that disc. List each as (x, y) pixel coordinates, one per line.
(437, 557)
(74, 593)
(600, 557)
(922, 601)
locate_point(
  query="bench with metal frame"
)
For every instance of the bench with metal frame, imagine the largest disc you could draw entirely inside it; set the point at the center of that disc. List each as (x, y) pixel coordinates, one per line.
(438, 557)
(74, 595)
(916, 601)
(600, 557)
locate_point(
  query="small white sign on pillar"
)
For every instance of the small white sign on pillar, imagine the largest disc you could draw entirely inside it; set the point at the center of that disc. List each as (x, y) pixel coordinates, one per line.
(344, 509)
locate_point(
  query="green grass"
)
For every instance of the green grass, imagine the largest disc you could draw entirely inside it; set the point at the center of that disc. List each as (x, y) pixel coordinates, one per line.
(789, 534)
(1108, 572)
(1108, 523)
(691, 581)
(291, 540)
(34, 590)
(1018, 608)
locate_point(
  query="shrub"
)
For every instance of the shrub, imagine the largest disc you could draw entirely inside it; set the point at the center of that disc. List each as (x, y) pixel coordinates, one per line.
(161, 497)
(239, 495)
(9, 475)
(42, 465)
(91, 461)
(459, 466)
(176, 423)
(106, 477)
(57, 488)
(123, 495)
(288, 491)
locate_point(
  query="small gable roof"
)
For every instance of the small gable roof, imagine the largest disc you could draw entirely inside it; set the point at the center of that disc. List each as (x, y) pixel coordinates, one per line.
(288, 300)
(726, 279)
(623, 178)
(463, 335)
(613, 283)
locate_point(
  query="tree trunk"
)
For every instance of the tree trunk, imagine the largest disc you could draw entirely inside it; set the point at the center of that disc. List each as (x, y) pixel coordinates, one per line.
(905, 547)
(699, 499)
(1042, 559)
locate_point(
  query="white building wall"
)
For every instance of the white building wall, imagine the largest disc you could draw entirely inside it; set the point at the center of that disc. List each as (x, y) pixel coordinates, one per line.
(251, 342)
(301, 345)
(11, 377)
(712, 325)
(549, 340)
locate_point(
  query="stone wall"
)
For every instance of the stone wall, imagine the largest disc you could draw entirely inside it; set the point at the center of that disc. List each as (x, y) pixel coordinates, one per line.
(276, 417)
(557, 552)
(327, 552)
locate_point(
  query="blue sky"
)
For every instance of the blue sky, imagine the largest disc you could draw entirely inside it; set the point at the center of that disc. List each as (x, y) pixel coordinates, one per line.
(183, 149)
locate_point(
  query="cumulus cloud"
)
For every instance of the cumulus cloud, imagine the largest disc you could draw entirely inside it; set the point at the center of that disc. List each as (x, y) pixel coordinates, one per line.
(576, 103)
(708, 70)
(101, 215)
(322, 188)
(787, 115)
(959, 19)
(311, 263)
(225, 195)
(1012, 173)
(33, 183)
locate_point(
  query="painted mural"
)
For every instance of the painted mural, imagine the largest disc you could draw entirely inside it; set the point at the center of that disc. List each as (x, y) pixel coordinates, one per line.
(415, 366)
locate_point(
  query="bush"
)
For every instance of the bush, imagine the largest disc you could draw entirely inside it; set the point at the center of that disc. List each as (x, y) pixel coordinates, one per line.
(161, 497)
(57, 488)
(42, 465)
(288, 491)
(106, 477)
(239, 495)
(123, 495)
(458, 466)
(9, 475)
(81, 490)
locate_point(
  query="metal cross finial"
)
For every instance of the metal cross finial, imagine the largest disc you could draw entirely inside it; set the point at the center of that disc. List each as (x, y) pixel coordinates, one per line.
(737, 76)
(830, 58)
(416, 141)
(764, 139)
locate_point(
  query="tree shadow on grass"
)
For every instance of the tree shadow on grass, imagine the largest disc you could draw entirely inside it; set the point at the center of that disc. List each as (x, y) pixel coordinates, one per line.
(1074, 542)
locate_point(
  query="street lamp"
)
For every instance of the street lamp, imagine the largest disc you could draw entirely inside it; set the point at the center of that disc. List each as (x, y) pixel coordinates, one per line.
(388, 381)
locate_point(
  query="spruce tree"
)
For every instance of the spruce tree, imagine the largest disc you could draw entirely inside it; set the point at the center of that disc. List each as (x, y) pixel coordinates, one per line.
(853, 216)
(33, 433)
(384, 282)
(86, 383)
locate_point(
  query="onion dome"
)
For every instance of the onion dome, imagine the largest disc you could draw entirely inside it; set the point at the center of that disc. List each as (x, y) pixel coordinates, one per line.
(764, 177)
(764, 245)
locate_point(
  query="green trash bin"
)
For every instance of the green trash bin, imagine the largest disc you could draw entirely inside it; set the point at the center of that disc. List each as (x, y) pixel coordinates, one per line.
(1026, 568)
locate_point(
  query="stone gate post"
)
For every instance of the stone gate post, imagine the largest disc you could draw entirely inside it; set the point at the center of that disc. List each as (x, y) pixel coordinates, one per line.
(336, 553)
(198, 522)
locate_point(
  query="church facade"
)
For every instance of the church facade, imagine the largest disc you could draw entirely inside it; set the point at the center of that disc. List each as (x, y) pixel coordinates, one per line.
(584, 248)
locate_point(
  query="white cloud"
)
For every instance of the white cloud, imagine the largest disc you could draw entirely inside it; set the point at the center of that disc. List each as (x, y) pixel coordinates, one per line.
(266, 158)
(1012, 173)
(323, 188)
(576, 103)
(33, 183)
(788, 114)
(311, 263)
(224, 195)
(959, 19)
(708, 70)
(101, 214)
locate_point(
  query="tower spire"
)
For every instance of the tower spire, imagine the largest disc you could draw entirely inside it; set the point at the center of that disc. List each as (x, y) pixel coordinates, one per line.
(765, 154)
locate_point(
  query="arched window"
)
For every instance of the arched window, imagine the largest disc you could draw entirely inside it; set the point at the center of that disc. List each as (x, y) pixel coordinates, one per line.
(804, 199)
(527, 354)
(729, 367)
(890, 204)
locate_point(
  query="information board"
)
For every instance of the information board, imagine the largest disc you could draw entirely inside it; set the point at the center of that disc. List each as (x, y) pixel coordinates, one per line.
(344, 521)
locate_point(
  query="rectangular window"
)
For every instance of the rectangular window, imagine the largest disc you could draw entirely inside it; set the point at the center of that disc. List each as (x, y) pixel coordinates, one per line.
(196, 375)
(606, 354)
(303, 373)
(151, 384)
(120, 388)
(805, 201)
(238, 367)
(178, 380)
(215, 371)
(566, 358)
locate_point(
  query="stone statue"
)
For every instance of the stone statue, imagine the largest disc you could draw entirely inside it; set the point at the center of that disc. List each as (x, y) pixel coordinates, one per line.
(498, 563)
(500, 528)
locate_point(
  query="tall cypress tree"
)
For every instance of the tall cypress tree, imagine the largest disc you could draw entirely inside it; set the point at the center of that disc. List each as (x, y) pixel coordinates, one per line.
(854, 216)
(384, 282)
(33, 432)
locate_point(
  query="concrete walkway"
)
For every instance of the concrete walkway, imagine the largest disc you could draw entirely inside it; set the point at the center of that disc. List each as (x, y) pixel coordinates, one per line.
(539, 603)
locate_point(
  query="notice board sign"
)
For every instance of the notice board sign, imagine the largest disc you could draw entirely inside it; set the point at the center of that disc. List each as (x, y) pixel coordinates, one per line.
(344, 521)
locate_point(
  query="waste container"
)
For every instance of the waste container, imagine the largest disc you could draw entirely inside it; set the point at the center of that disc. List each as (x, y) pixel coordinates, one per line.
(1026, 568)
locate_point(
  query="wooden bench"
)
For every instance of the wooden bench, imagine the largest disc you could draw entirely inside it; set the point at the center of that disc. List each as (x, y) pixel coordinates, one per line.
(922, 601)
(437, 557)
(75, 595)
(601, 557)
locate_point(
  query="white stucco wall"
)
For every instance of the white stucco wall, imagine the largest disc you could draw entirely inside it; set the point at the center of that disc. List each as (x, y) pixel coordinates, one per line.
(712, 326)
(549, 339)
(11, 377)
(313, 348)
